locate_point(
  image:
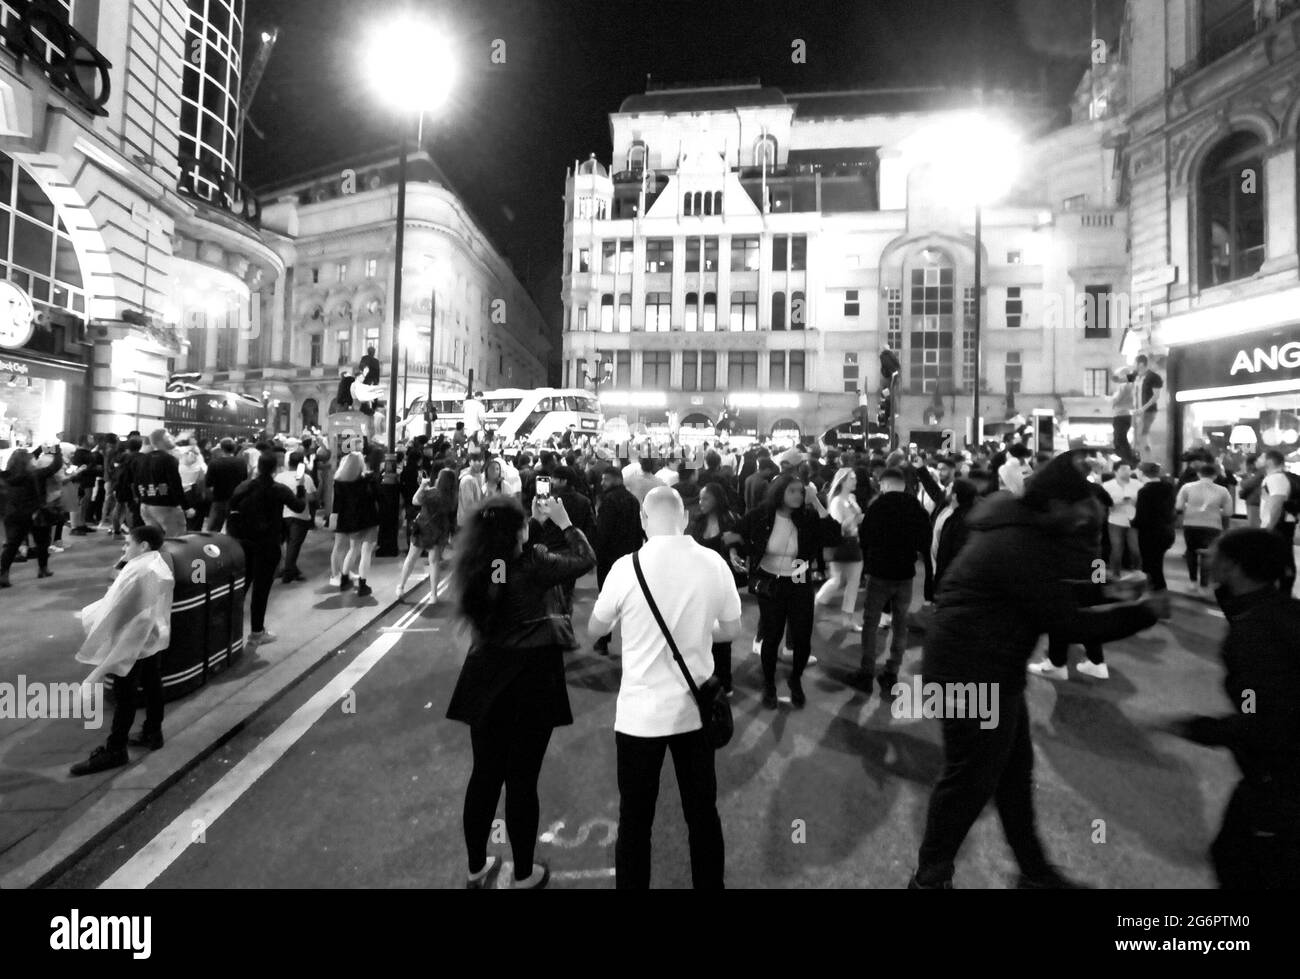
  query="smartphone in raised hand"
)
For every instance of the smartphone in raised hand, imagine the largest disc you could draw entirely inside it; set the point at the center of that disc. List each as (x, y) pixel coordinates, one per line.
(544, 486)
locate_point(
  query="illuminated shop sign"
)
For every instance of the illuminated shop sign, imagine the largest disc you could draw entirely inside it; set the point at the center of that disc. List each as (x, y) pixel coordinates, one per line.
(1241, 365)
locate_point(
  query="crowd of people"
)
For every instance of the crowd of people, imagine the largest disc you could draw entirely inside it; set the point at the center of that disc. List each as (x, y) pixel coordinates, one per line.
(1008, 545)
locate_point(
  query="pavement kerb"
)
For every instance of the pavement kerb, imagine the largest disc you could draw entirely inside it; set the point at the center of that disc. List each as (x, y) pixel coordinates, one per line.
(204, 722)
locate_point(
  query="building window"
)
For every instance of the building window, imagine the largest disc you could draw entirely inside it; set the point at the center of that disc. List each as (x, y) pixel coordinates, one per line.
(1013, 372)
(851, 305)
(708, 203)
(342, 271)
(607, 313)
(1230, 211)
(625, 312)
(623, 370)
(932, 305)
(625, 258)
(744, 312)
(315, 274)
(345, 347)
(686, 205)
(656, 366)
(1096, 382)
(41, 259)
(968, 303)
(372, 268)
(1225, 25)
(636, 156)
(317, 356)
(852, 376)
(894, 319)
(690, 370)
(967, 358)
(582, 319)
(798, 253)
(692, 312)
(798, 311)
(778, 310)
(692, 254)
(710, 254)
(1013, 258)
(796, 372)
(584, 259)
(776, 370)
(742, 370)
(710, 312)
(658, 312)
(372, 337)
(708, 370)
(697, 204)
(609, 257)
(765, 152)
(1098, 312)
(1015, 307)
(744, 253)
(780, 253)
(717, 202)
(659, 255)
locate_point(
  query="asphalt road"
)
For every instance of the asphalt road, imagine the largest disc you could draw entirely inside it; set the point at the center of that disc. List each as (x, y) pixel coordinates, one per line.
(356, 779)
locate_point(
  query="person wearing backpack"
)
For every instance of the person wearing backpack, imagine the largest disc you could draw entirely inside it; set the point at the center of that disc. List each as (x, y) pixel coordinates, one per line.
(1279, 508)
(256, 509)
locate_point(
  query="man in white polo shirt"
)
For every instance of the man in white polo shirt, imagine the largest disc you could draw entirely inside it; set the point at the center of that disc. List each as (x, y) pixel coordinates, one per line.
(656, 712)
(1273, 515)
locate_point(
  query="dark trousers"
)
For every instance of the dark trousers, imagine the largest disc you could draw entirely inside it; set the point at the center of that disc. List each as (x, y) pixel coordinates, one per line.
(722, 663)
(1152, 548)
(639, 763)
(788, 607)
(1252, 851)
(146, 674)
(1121, 425)
(1287, 532)
(1195, 540)
(295, 532)
(16, 531)
(260, 561)
(217, 514)
(881, 594)
(980, 765)
(506, 753)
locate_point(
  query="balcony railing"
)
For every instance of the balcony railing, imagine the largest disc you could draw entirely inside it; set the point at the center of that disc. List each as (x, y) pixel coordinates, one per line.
(1231, 33)
(38, 30)
(207, 183)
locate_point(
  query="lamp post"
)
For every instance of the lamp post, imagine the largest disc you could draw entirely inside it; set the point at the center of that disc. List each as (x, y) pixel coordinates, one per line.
(410, 65)
(604, 368)
(428, 401)
(408, 338)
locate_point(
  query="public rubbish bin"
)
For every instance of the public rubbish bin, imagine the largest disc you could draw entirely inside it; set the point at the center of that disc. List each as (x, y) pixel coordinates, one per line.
(207, 610)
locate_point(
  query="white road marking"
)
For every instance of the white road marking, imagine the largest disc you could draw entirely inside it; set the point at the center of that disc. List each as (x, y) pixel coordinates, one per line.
(507, 873)
(162, 851)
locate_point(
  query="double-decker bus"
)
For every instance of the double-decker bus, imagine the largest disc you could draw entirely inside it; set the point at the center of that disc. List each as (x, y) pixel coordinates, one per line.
(208, 413)
(518, 414)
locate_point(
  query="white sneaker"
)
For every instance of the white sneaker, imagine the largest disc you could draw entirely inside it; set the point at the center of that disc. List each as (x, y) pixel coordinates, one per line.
(55, 549)
(1098, 671)
(537, 879)
(1045, 668)
(757, 648)
(336, 580)
(261, 638)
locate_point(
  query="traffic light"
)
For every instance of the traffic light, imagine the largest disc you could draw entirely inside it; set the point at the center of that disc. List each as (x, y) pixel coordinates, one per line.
(885, 410)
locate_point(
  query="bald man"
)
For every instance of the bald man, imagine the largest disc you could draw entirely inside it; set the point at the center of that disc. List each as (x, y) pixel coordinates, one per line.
(656, 712)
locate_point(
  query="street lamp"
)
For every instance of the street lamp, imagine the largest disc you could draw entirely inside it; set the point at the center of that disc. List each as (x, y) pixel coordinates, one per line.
(974, 160)
(604, 370)
(408, 335)
(411, 67)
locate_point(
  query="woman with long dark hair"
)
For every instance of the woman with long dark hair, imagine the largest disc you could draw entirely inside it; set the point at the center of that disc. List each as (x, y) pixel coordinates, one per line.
(511, 690)
(435, 501)
(711, 521)
(26, 512)
(781, 540)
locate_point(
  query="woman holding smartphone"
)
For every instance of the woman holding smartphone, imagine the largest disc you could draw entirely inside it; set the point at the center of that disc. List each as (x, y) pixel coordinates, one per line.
(781, 539)
(511, 691)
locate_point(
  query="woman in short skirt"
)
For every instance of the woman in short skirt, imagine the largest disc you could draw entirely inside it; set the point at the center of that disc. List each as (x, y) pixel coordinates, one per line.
(432, 529)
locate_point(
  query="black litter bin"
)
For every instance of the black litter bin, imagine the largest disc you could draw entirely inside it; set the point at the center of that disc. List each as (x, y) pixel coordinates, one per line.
(207, 610)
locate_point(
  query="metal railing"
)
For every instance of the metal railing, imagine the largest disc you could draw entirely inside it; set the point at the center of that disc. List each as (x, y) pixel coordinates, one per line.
(1230, 34)
(39, 30)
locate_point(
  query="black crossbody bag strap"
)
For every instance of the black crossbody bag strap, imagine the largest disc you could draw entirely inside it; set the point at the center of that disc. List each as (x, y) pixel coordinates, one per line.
(663, 626)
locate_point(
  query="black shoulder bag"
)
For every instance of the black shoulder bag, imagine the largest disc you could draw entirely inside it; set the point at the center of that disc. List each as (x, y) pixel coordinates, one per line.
(715, 709)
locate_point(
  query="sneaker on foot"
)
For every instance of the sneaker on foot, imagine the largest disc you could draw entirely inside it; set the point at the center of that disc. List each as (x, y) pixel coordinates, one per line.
(345, 582)
(534, 881)
(886, 683)
(336, 581)
(886, 620)
(1098, 671)
(757, 648)
(56, 549)
(101, 760)
(481, 880)
(261, 638)
(1045, 668)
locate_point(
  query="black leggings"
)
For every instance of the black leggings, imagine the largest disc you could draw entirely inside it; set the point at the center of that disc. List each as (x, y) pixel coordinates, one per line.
(16, 531)
(787, 611)
(510, 753)
(1198, 538)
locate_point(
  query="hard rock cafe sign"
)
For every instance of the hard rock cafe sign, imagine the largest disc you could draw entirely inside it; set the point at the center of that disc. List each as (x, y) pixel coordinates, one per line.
(17, 316)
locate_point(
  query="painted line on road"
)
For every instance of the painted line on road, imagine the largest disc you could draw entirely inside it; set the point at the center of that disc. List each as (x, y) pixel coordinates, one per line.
(507, 874)
(166, 848)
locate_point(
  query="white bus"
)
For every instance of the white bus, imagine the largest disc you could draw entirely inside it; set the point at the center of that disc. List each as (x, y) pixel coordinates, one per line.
(517, 414)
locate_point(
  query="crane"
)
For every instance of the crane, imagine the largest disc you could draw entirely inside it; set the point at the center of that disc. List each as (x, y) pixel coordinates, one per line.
(249, 89)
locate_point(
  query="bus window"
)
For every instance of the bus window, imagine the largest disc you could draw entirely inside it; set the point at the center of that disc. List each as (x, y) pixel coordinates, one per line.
(544, 404)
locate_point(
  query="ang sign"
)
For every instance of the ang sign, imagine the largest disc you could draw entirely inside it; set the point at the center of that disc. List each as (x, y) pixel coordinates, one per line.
(1270, 357)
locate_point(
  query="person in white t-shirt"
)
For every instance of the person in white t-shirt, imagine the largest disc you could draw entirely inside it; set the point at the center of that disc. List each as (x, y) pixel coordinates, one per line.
(474, 413)
(1272, 510)
(1123, 491)
(296, 525)
(656, 712)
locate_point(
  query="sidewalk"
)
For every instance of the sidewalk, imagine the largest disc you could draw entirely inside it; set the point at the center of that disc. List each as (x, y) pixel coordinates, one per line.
(47, 817)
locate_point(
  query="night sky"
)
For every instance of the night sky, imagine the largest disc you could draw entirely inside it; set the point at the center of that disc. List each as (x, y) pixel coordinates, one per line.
(509, 131)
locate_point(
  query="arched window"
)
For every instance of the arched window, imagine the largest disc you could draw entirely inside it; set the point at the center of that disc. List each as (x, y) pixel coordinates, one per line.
(710, 312)
(310, 413)
(717, 202)
(708, 203)
(42, 261)
(636, 156)
(765, 152)
(778, 310)
(798, 311)
(625, 312)
(692, 312)
(686, 204)
(698, 199)
(1230, 210)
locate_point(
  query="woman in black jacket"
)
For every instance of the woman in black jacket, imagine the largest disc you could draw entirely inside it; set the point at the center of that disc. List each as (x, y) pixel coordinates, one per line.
(710, 522)
(356, 502)
(25, 511)
(511, 690)
(781, 539)
(952, 530)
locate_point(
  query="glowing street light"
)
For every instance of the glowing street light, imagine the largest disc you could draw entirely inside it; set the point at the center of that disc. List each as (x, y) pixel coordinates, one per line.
(974, 159)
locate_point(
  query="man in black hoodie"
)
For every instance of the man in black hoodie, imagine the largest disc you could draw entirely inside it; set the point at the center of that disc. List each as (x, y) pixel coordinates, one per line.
(895, 533)
(1002, 592)
(618, 531)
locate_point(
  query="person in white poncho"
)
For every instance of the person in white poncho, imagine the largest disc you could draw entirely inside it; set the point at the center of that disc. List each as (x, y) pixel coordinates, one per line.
(125, 630)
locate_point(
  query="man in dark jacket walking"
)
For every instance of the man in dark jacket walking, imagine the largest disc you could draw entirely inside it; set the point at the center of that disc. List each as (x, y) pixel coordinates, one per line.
(1154, 521)
(895, 533)
(1258, 846)
(226, 471)
(256, 512)
(618, 531)
(1000, 595)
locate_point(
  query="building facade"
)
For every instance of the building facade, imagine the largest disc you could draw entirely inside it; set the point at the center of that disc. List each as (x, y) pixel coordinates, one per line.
(335, 230)
(1213, 116)
(108, 247)
(748, 251)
